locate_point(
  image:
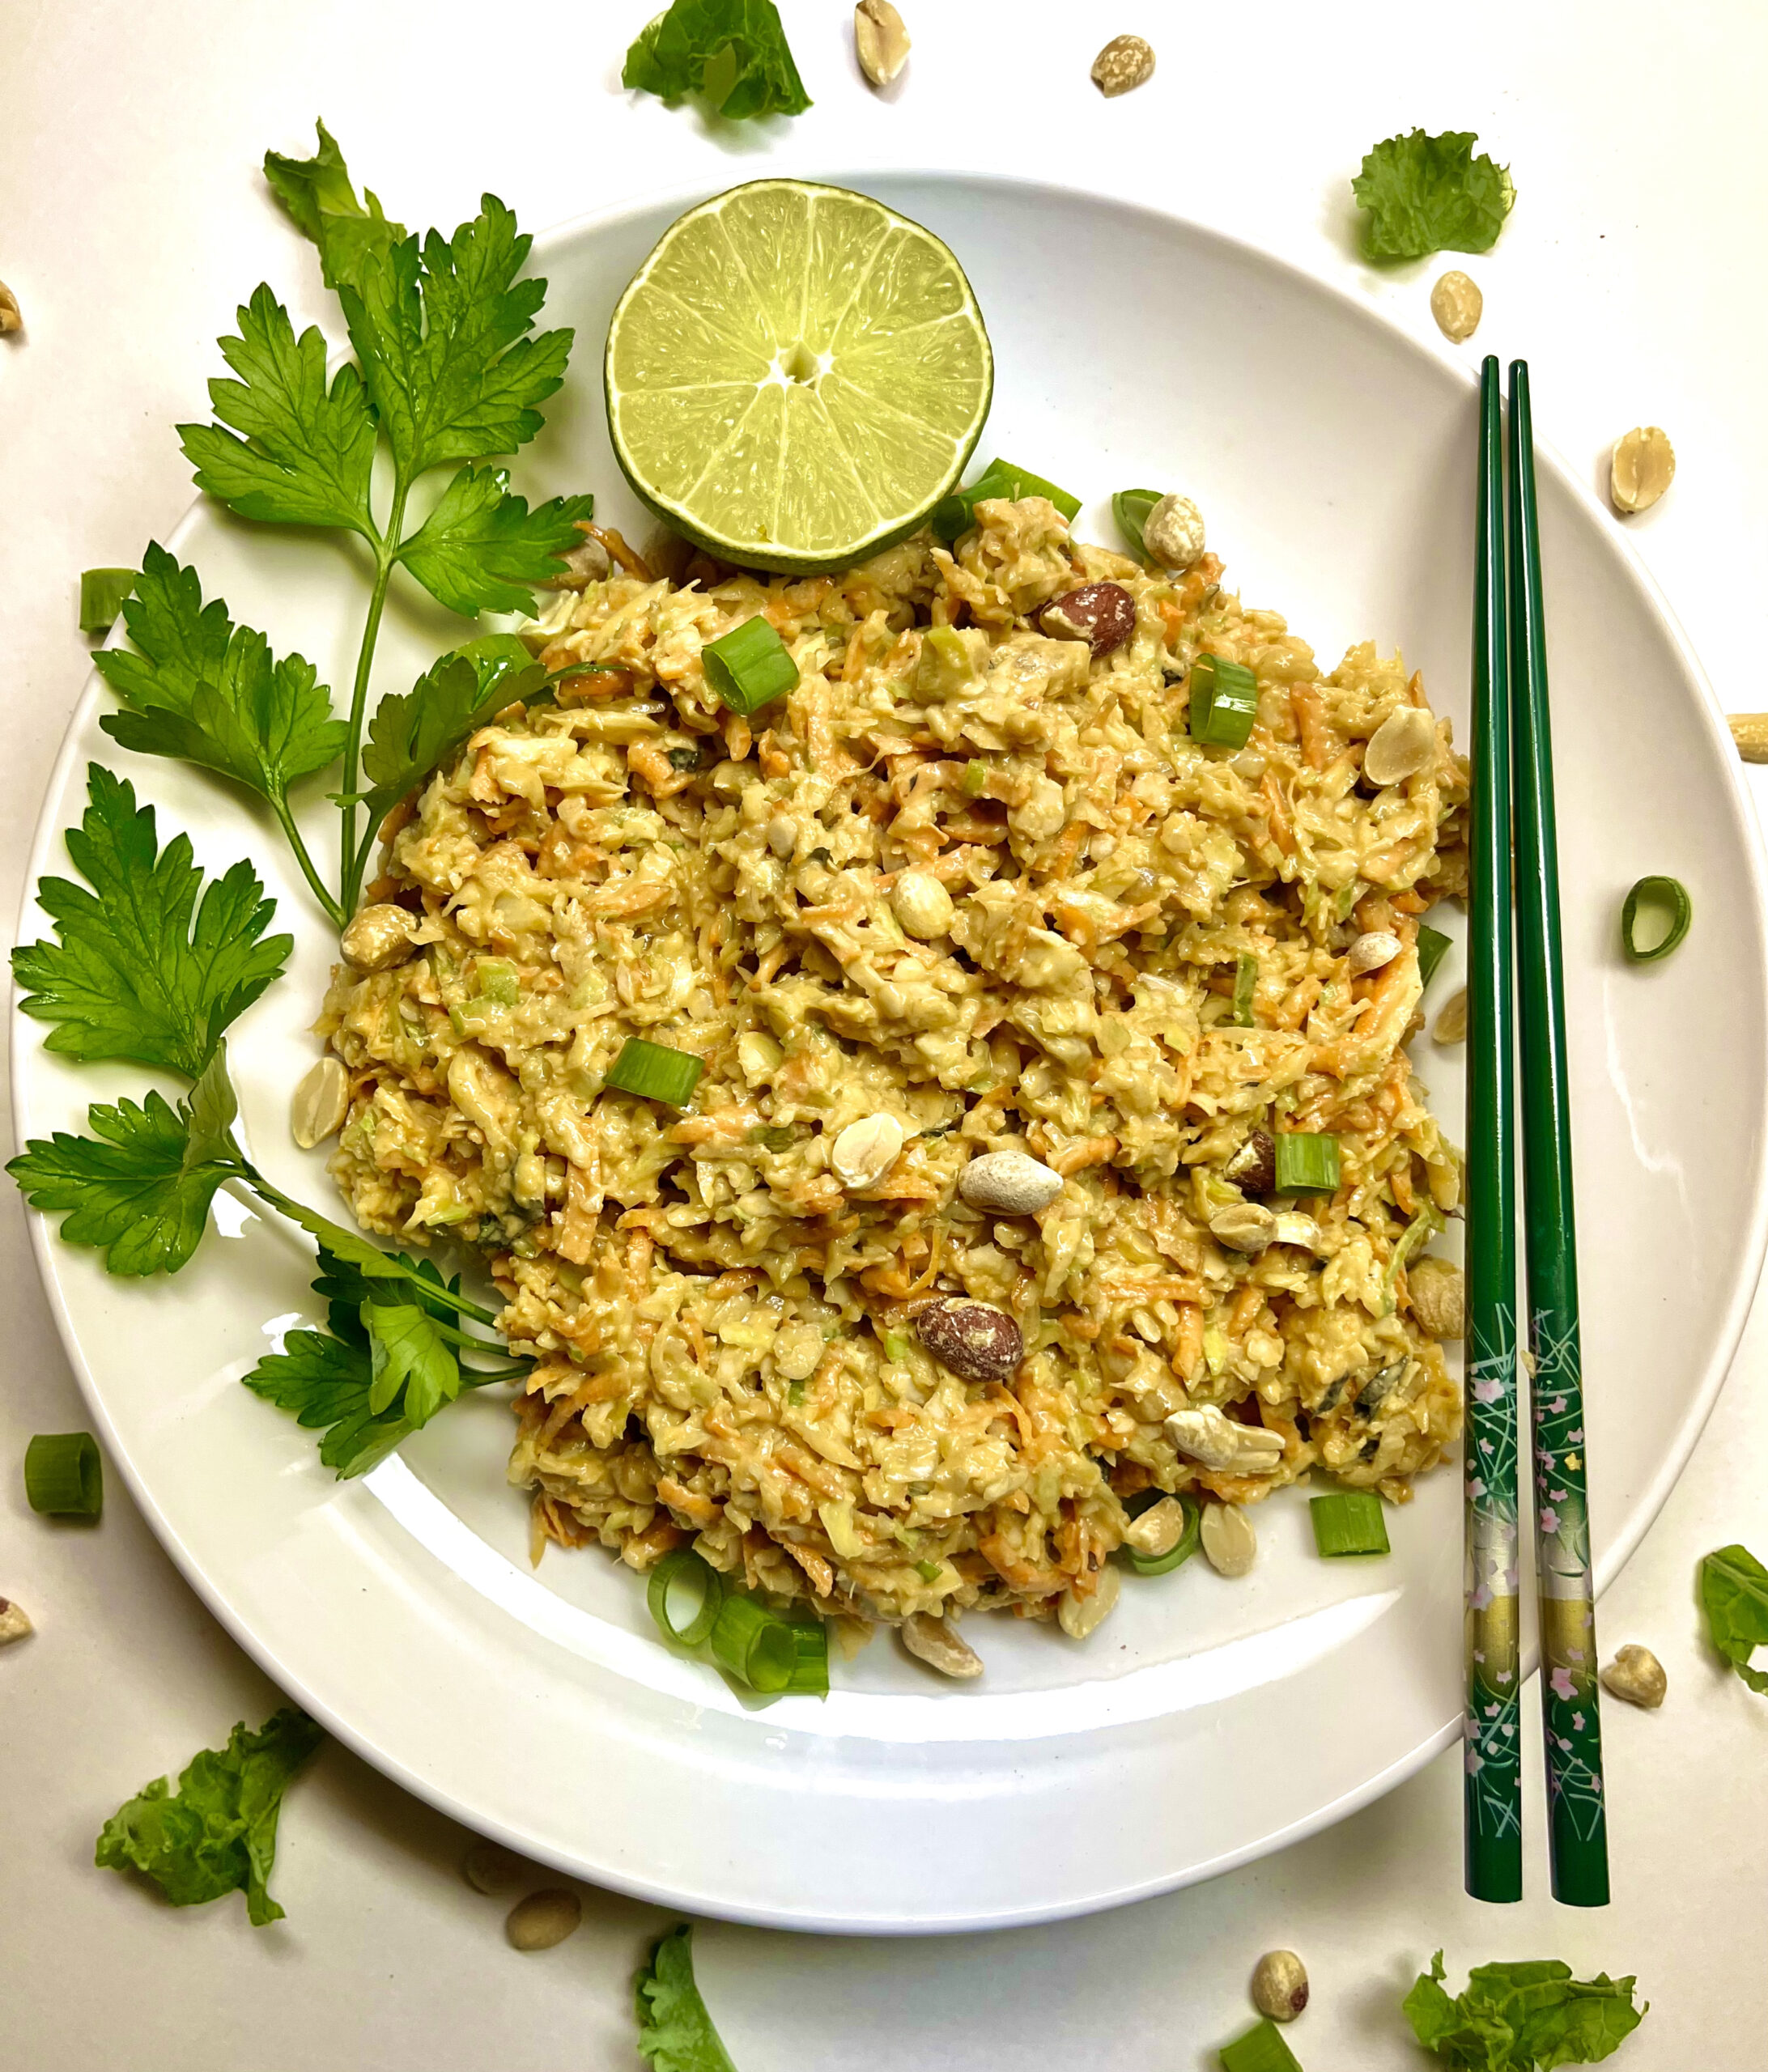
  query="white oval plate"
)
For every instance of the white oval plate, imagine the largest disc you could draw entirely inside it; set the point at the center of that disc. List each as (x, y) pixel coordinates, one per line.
(1209, 1721)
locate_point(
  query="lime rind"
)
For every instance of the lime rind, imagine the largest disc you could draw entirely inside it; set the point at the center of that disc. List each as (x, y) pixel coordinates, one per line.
(796, 376)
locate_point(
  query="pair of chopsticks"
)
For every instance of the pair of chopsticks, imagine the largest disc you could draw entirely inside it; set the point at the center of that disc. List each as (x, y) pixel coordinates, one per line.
(1513, 797)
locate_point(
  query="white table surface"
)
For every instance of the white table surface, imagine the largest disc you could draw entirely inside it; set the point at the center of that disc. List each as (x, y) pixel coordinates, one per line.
(132, 221)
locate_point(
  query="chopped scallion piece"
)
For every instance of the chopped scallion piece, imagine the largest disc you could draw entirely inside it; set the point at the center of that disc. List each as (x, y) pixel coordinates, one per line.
(1130, 507)
(756, 1646)
(684, 1593)
(1262, 2049)
(1433, 947)
(1224, 702)
(63, 1475)
(956, 513)
(1245, 978)
(809, 1676)
(1306, 1163)
(497, 981)
(896, 1343)
(655, 1072)
(1666, 899)
(929, 1571)
(748, 666)
(102, 593)
(975, 776)
(1175, 1556)
(1348, 1522)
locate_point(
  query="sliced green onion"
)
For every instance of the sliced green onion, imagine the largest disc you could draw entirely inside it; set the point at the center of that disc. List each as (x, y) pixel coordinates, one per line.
(1130, 507)
(102, 592)
(1224, 702)
(655, 1072)
(1433, 947)
(1348, 1522)
(748, 666)
(809, 1676)
(497, 981)
(896, 1345)
(975, 776)
(683, 1572)
(929, 1571)
(1245, 978)
(63, 1475)
(956, 513)
(1666, 897)
(755, 1645)
(1262, 2049)
(795, 1392)
(1175, 1556)
(1306, 1163)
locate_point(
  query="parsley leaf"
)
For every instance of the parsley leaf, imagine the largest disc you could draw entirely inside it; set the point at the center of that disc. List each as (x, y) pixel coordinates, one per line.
(322, 1379)
(675, 2031)
(733, 51)
(141, 968)
(130, 1188)
(410, 735)
(205, 691)
(1523, 2017)
(1734, 1595)
(441, 335)
(317, 194)
(218, 1833)
(481, 549)
(308, 447)
(1425, 194)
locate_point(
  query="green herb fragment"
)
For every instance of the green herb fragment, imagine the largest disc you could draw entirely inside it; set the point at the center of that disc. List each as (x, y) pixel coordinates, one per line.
(63, 1475)
(143, 968)
(1734, 1596)
(1260, 2049)
(1424, 194)
(1348, 1522)
(102, 592)
(1666, 900)
(217, 1834)
(749, 666)
(1306, 1163)
(675, 2031)
(929, 1571)
(1513, 2017)
(1246, 979)
(686, 759)
(132, 1188)
(481, 549)
(774, 1136)
(317, 194)
(1224, 702)
(1130, 507)
(1433, 947)
(954, 515)
(734, 52)
(418, 731)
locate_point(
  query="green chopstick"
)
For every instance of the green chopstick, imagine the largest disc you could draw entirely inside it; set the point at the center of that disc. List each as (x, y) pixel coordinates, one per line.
(1492, 1822)
(1577, 1824)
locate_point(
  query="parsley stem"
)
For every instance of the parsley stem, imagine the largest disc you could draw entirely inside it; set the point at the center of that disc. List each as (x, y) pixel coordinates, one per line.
(386, 552)
(321, 890)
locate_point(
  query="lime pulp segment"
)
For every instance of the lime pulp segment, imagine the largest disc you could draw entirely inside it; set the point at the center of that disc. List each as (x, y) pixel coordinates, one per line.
(795, 374)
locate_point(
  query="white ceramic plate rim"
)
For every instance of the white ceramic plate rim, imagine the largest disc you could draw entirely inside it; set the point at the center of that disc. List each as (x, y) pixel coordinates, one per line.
(211, 1588)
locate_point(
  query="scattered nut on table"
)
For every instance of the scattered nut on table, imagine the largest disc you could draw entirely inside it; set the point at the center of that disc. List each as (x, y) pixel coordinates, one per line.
(1370, 952)
(1156, 1532)
(1173, 532)
(490, 1868)
(977, 1341)
(1456, 303)
(320, 1102)
(377, 938)
(1102, 614)
(1279, 1985)
(1125, 63)
(10, 319)
(865, 1150)
(1230, 1544)
(936, 1642)
(1009, 1183)
(922, 904)
(1438, 1291)
(1643, 468)
(880, 41)
(1637, 1675)
(1400, 746)
(1749, 730)
(544, 1919)
(15, 1623)
(1451, 1023)
(1078, 1616)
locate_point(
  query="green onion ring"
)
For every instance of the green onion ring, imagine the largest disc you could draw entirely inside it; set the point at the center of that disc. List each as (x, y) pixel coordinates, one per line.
(1669, 892)
(684, 1565)
(1181, 1551)
(756, 1646)
(63, 1475)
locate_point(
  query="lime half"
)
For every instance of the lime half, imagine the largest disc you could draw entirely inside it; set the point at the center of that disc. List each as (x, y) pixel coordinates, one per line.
(796, 376)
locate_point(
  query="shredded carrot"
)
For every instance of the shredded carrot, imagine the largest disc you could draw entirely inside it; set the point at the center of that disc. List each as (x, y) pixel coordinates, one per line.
(1310, 711)
(1187, 1353)
(1247, 1305)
